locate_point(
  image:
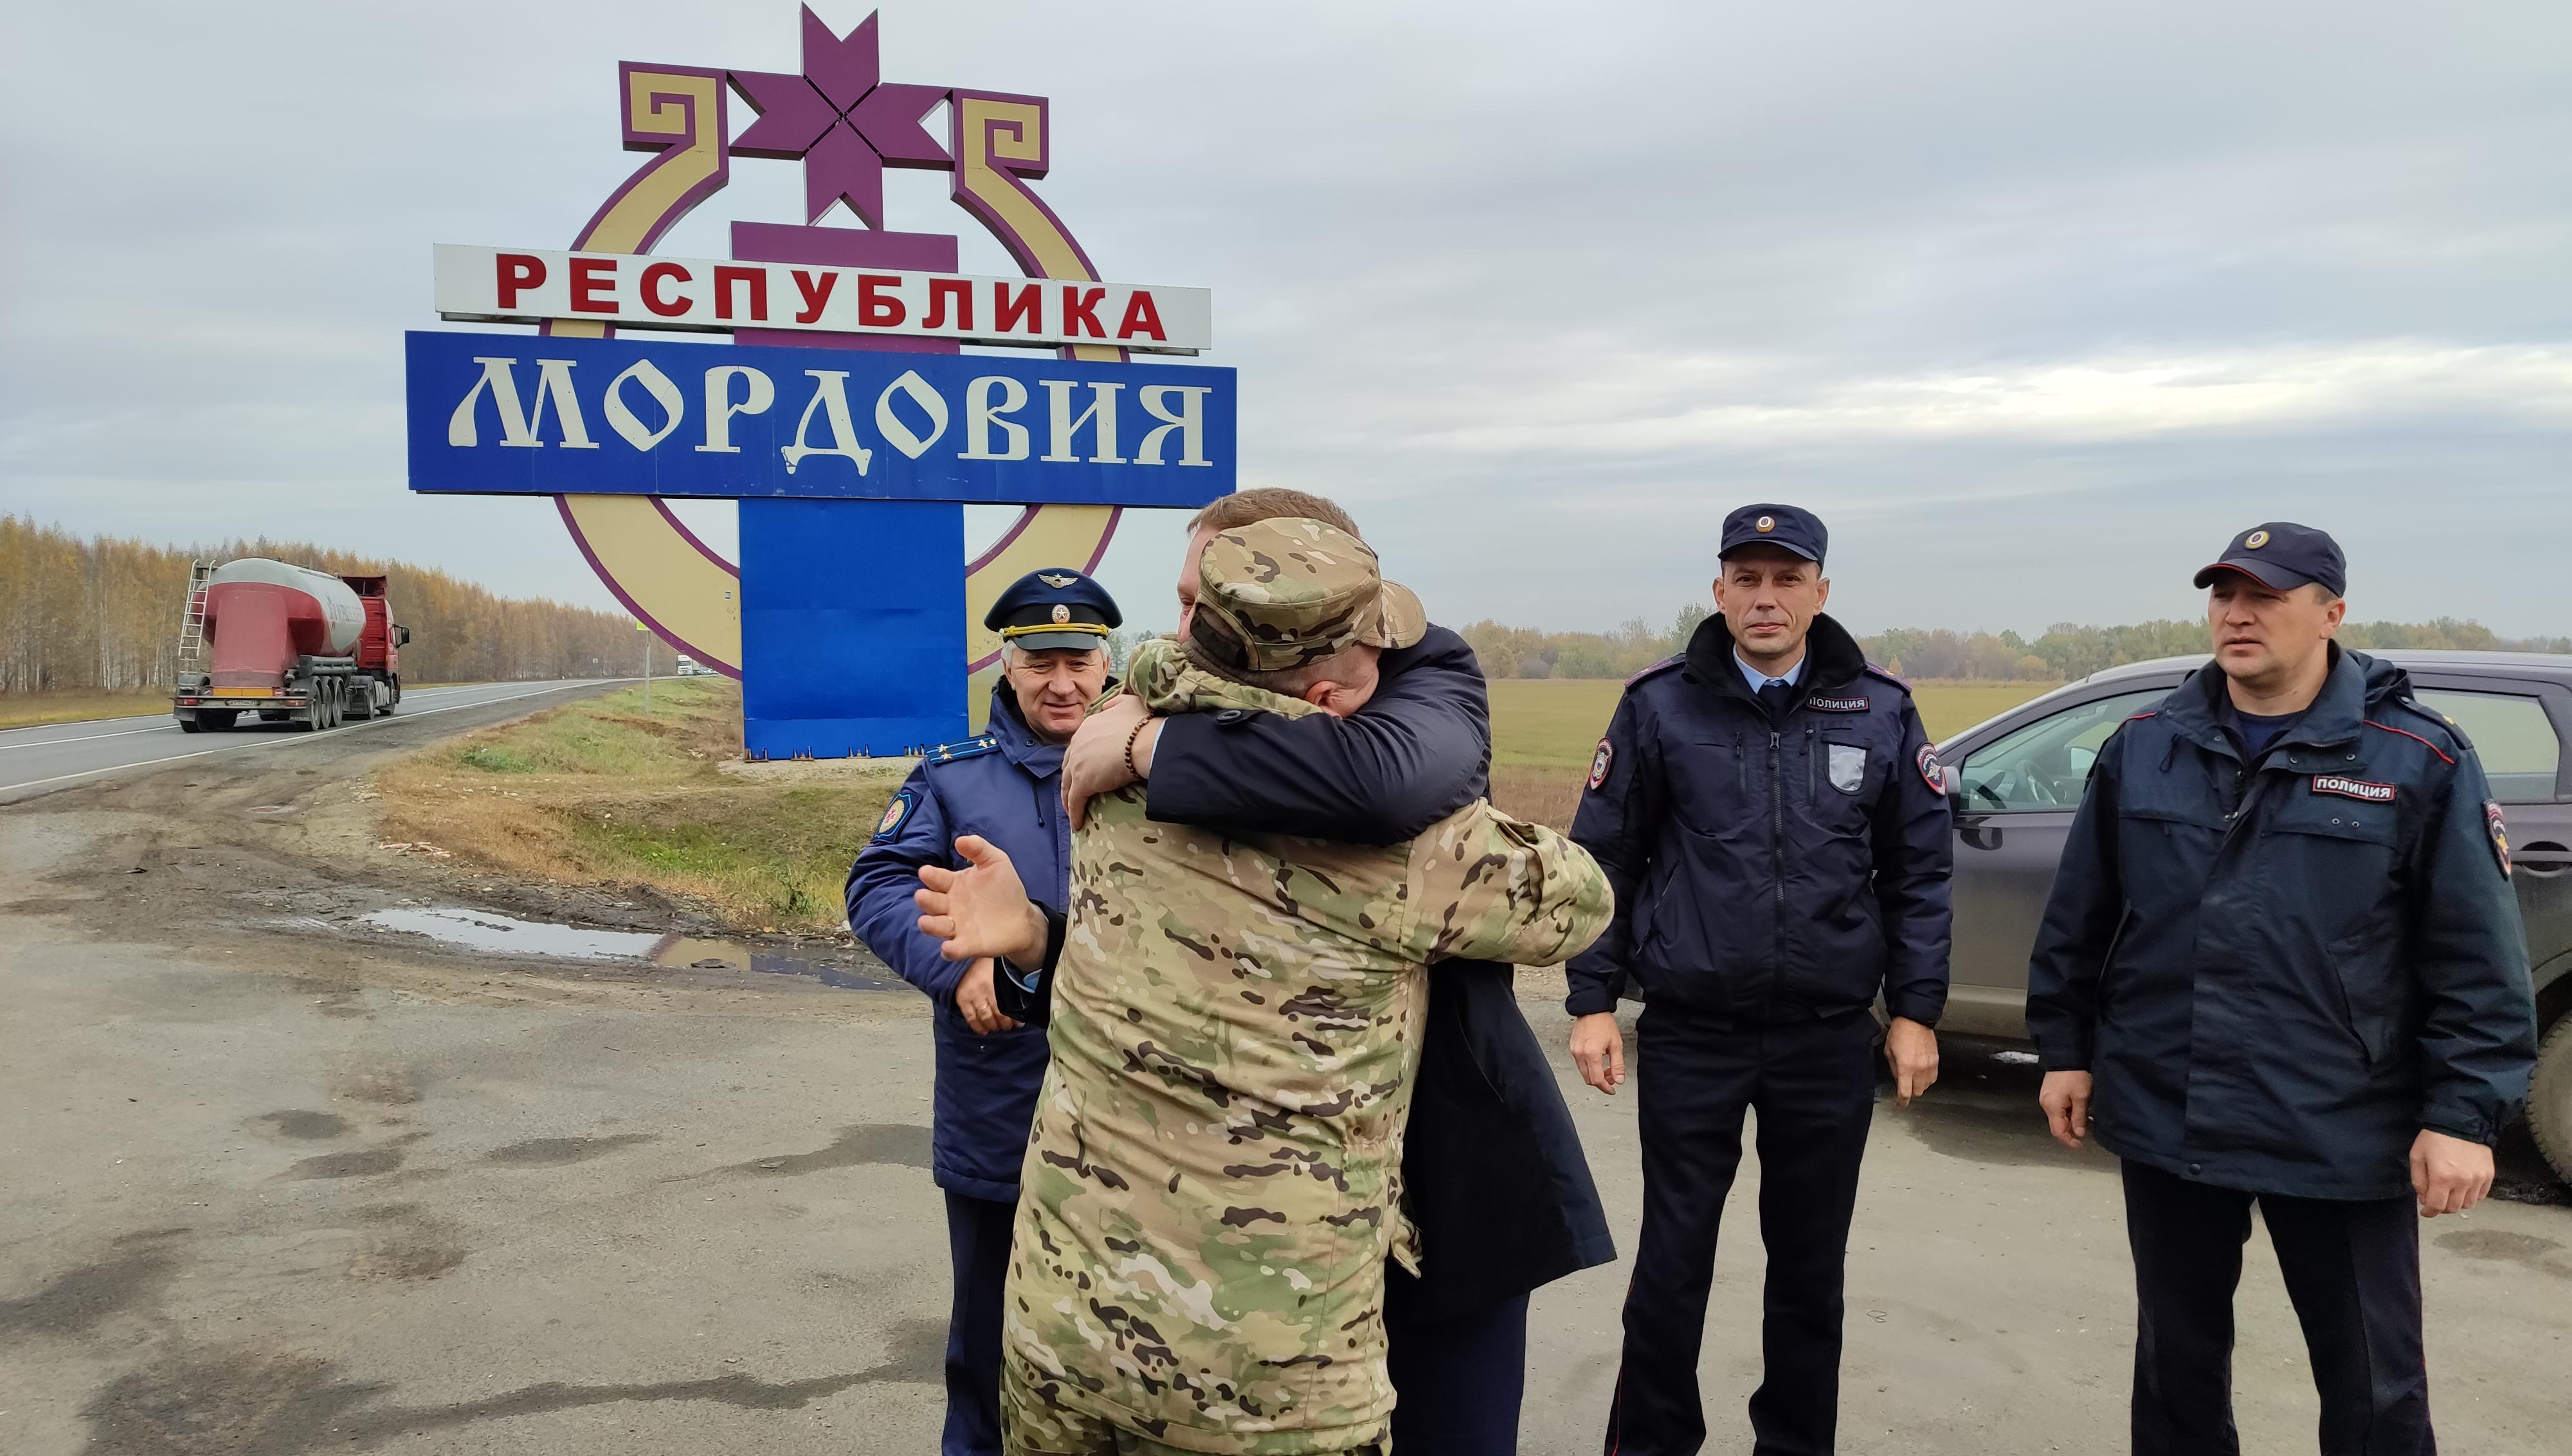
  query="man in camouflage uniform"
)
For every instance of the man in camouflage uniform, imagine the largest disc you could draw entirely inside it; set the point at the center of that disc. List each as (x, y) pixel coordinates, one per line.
(1213, 1182)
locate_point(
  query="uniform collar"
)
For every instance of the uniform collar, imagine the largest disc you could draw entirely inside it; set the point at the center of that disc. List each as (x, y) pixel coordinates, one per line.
(2195, 710)
(1832, 660)
(1755, 679)
(1018, 742)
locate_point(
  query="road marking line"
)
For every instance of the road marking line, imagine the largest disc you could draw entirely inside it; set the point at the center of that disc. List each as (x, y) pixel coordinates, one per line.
(157, 727)
(288, 742)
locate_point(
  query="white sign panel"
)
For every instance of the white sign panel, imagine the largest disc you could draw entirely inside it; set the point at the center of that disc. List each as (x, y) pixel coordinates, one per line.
(639, 291)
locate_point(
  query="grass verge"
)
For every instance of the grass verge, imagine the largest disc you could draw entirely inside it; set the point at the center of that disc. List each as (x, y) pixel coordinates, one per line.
(33, 709)
(1544, 729)
(598, 792)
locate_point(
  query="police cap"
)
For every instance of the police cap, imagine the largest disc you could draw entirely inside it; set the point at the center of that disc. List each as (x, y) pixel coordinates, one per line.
(2284, 556)
(1799, 531)
(1055, 607)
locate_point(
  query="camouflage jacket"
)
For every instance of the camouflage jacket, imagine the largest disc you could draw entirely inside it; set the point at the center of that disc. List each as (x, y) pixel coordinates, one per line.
(1212, 1188)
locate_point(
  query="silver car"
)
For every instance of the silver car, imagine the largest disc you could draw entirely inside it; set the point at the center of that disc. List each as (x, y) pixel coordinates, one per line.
(2015, 781)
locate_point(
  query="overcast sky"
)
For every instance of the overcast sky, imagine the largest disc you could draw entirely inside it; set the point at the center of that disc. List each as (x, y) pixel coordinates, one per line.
(2035, 303)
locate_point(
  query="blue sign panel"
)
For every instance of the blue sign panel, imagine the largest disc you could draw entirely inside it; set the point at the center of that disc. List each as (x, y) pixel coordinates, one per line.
(508, 414)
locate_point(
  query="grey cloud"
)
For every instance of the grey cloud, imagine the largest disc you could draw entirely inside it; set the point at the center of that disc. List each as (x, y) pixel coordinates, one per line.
(2030, 299)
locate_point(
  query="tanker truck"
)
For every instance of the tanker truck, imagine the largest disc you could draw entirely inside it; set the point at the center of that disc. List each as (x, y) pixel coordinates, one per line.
(285, 643)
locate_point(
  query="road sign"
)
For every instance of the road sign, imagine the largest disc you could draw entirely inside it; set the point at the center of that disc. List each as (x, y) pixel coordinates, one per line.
(851, 617)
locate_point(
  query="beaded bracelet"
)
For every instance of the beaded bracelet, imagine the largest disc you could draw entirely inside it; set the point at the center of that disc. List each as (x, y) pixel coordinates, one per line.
(1129, 747)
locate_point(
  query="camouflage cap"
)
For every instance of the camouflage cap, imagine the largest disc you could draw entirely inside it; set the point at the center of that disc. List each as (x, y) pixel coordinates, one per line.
(1281, 593)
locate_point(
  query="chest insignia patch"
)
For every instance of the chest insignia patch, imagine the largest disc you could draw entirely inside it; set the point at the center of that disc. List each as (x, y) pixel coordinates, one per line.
(1931, 772)
(1849, 766)
(2357, 788)
(1600, 762)
(2499, 834)
(895, 812)
(1836, 705)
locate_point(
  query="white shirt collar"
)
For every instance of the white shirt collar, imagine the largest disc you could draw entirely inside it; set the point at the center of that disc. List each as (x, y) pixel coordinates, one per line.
(1759, 680)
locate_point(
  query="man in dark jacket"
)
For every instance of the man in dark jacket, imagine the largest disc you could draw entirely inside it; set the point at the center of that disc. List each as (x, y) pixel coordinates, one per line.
(2283, 964)
(1774, 822)
(1002, 786)
(1497, 1183)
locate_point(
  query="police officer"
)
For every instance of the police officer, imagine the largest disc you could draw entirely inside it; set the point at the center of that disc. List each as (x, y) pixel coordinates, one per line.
(2282, 965)
(1774, 822)
(1004, 787)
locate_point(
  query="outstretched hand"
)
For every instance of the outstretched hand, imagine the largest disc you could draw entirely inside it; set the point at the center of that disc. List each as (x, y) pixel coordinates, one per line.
(980, 910)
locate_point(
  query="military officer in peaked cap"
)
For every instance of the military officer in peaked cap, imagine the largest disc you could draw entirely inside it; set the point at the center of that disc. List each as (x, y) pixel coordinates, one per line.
(2282, 964)
(1775, 824)
(1004, 787)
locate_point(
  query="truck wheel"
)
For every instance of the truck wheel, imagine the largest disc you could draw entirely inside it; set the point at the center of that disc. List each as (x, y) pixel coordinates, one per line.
(190, 726)
(2549, 1099)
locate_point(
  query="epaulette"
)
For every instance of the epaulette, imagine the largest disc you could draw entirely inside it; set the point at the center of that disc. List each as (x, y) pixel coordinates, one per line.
(2443, 723)
(969, 748)
(1655, 669)
(1887, 674)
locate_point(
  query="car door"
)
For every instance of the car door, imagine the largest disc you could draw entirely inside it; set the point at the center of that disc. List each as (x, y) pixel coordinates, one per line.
(2518, 727)
(2018, 784)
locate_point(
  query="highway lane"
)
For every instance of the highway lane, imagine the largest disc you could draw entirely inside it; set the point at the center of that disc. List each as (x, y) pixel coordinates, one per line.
(36, 760)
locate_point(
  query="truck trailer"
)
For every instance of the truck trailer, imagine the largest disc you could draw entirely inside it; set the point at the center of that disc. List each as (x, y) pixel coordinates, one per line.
(285, 643)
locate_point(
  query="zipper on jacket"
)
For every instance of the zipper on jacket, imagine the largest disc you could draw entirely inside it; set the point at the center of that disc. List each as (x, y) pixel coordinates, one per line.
(1777, 844)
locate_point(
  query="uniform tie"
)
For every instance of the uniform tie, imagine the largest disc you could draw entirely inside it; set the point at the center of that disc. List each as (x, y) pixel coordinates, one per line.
(1777, 693)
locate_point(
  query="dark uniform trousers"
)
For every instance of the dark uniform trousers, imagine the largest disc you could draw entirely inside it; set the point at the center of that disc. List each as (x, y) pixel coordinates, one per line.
(1812, 1082)
(2353, 1269)
(977, 1248)
(1458, 1382)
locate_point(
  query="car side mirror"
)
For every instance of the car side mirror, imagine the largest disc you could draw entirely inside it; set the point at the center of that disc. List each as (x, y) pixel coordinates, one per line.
(1953, 779)
(401, 636)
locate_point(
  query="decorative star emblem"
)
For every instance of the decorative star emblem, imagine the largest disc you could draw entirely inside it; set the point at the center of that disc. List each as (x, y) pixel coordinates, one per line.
(841, 118)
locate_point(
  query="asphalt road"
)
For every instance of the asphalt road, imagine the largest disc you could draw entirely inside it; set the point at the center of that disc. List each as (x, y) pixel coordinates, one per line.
(278, 1185)
(36, 760)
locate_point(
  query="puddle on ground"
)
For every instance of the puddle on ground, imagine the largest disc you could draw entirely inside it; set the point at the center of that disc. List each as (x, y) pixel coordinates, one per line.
(490, 931)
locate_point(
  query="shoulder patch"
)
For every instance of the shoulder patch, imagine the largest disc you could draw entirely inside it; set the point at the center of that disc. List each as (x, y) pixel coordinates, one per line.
(896, 814)
(1655, 669)
(1601, 763)
(2499, 834)
(1837, 703)
(1873, 671)
(1932, 773)
(969, 748)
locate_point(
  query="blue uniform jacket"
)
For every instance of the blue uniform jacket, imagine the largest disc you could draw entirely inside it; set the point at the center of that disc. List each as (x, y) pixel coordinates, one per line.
(1006, 787)
(1768, 870)
(2279, 973)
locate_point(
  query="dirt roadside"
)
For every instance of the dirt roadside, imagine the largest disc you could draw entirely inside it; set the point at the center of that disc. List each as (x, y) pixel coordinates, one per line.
(270, 861)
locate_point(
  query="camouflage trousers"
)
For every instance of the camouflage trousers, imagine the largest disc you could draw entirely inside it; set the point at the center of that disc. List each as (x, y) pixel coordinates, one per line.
(1031, 1425)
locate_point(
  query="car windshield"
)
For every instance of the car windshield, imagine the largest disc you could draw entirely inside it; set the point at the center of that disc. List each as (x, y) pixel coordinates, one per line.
(2045, 764)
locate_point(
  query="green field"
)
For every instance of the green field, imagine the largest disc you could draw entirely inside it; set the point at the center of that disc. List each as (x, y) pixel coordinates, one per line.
(1557, 723)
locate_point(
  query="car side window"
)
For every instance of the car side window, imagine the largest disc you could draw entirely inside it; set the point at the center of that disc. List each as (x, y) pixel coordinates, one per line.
(2046, 765)
(2512, 735)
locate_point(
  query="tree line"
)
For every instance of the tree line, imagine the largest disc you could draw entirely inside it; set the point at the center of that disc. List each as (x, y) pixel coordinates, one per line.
(2064, 652)
(103, 613)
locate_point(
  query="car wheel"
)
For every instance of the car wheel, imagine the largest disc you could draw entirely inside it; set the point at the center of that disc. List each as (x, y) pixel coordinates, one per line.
(2549, 1099)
